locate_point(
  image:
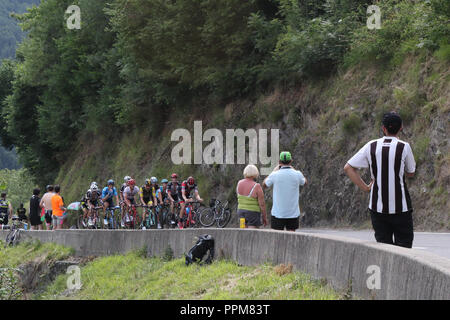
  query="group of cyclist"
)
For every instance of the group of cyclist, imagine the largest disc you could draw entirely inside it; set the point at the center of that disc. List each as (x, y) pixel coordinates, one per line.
(174, 193)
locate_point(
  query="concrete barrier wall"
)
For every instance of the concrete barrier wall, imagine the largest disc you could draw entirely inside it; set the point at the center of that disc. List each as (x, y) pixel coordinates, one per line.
(405, 273)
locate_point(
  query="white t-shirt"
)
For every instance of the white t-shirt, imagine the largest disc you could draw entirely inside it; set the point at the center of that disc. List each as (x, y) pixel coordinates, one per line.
(286, 192)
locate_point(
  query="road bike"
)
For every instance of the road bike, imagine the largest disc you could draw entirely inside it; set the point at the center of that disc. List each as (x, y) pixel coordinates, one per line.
(112, 220)
(131, 219)
(13, 237)
(191, 216)
(150, 220)
(92, 220)
(217, 213)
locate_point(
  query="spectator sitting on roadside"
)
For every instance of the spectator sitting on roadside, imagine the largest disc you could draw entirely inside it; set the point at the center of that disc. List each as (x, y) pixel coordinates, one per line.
(251, 204)
(286, 182)
(22, 213)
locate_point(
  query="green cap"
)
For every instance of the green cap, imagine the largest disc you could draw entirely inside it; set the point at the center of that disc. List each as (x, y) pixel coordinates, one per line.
(286, 157)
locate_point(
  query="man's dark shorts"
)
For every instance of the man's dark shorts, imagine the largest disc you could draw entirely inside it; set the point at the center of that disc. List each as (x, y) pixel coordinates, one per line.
(289, 224)
(395, 229)
(252, 218)
(48, 216)
(3, 219)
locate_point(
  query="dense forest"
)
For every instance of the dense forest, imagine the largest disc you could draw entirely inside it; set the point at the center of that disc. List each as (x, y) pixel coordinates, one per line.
(10, 36)
(135, 64)
(10, 32)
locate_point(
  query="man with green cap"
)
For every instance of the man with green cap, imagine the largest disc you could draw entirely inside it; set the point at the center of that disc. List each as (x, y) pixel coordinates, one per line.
(286, 182)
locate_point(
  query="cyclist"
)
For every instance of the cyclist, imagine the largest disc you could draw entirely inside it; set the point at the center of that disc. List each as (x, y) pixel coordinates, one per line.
(161, 193)
(156, 202)
(108, 193)
(186, 189)
(146, 195)
(130, 192)
(93, 197)
(5, 209)
(173, 189)
(122, 188)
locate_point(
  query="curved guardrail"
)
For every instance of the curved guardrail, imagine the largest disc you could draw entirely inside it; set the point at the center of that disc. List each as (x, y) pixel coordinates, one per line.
(370, 270)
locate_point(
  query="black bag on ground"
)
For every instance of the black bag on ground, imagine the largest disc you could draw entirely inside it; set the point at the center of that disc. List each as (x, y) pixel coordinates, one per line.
(204, 245)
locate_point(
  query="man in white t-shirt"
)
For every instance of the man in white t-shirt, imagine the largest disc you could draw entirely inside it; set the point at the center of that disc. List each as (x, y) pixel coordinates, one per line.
(390, 160)
(286, 182)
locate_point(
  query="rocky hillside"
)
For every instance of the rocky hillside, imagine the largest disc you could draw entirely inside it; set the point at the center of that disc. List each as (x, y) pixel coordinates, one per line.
(323, 123)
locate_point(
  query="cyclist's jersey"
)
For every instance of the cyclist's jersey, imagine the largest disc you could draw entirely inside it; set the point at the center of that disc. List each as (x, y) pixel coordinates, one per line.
(162, 192)
(188, 190)
(146, 193)
(173, 188)
(122, 188)
(93, 196)
(4, 206)
(109, 193)
(130, 194)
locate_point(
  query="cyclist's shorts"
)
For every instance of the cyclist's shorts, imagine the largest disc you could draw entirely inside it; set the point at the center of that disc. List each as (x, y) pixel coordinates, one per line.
(182, 200)
(48, 216)
(110, 203)
(94, 203)
(84, 205)
(132, 201)
(147, 200)
(58, 221)
(175, 198)
(3, 219)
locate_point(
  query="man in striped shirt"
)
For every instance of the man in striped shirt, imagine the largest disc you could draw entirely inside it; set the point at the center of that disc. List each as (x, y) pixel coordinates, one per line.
(389, 160)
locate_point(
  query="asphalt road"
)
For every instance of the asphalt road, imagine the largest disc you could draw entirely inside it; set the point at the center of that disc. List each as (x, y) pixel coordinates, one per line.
(434, 242)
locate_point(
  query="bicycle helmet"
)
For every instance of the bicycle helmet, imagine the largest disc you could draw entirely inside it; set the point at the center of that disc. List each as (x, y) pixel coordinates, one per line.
(148, 182)
(164, 181)
(127, 178)
(174, 176)
(132, 182)
(111, 182)
(190, 181)
(154, 180)
(94, 185)
(94, 188)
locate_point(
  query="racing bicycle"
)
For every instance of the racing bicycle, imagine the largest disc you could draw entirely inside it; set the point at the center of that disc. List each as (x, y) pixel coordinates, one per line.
(217, 213)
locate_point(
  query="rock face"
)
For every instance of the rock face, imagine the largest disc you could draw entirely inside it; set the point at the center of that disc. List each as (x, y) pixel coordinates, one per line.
(37, 274)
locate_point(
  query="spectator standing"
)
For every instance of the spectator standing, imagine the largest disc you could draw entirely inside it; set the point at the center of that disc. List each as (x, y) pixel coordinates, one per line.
(251, 204)
(5, 210)
(35, 211)
(286, 183)
(390, 160)
(58, 209)
(46, 203)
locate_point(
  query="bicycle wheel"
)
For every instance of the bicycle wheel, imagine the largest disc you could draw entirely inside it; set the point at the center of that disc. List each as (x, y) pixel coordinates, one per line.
(207, 217)
(81, 222)
(224, 219)
(9, 238)
(16, 238)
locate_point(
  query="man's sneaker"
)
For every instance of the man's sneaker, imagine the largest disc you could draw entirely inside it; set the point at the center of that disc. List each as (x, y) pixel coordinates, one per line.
(105, 221)
(122, 224)
(83, 223)
(180, 225)
(159, 226)
(90, 222)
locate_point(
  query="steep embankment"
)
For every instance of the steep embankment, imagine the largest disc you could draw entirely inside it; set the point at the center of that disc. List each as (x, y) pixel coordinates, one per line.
(323, 122)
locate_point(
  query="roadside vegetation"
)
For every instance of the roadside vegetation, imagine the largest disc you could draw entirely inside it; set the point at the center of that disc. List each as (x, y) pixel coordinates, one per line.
(133, 276)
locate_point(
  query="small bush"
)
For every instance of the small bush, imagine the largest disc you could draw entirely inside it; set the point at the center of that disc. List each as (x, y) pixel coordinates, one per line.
(351, 124)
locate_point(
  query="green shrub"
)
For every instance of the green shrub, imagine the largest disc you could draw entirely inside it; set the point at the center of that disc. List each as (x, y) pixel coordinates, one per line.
(351, 124)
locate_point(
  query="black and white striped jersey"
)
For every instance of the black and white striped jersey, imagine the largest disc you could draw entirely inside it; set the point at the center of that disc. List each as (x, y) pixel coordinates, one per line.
(388, 158)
